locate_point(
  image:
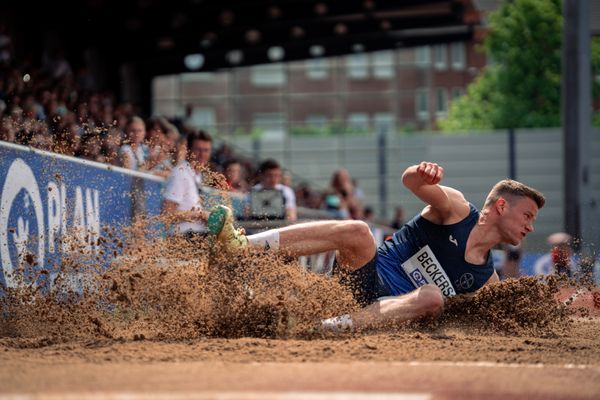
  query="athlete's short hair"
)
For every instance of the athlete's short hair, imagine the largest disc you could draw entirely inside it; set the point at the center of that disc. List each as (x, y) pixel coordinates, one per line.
(511, 189)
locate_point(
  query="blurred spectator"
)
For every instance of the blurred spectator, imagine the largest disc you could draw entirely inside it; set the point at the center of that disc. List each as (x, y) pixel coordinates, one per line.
(270, 180)
(8, 133)
(6, 46)
(559, 259)
(307, 197)
(40, 137)
(182, 202)
(332, 204)
(166, 158)
(369, 214)
(91, 147)
(232, 169)
(343, 187)
(507, 260)
(158, 161)
(134, 151)
(67, 140)
(398, 220)
(561, 253)
(223, 154)
(111, 142)
(287, 179)
(359, 194)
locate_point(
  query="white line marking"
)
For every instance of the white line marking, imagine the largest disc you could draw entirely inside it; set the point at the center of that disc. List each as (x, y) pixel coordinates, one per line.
(491, 364)
(220, 396)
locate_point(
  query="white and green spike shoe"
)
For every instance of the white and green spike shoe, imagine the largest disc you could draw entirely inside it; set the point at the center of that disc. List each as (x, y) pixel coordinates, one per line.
(220, 224)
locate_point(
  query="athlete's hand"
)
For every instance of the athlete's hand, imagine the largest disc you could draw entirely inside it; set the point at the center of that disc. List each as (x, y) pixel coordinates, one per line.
(430, 172)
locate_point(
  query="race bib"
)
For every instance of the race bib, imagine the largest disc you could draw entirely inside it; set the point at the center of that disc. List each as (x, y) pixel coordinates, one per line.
(423, 268)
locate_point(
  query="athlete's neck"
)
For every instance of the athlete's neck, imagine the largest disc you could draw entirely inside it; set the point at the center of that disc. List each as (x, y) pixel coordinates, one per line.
(482, 239)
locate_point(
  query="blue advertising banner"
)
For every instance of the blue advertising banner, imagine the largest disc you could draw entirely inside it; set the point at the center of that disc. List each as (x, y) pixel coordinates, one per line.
(45, 196)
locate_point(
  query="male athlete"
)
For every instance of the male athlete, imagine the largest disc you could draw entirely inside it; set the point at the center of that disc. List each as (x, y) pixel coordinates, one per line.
(443, 251)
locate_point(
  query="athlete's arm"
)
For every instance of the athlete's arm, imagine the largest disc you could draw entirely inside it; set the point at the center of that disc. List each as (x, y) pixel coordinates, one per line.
(446, 205)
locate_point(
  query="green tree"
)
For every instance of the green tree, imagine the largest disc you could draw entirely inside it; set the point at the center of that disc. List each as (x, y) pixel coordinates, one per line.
(521, 87)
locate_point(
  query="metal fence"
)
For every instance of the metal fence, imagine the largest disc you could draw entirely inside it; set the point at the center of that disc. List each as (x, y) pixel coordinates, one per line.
(473, 163)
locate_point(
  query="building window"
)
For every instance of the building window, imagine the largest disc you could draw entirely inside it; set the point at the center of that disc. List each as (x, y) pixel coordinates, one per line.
(457, 92)
(317, 120)
(383, 64)
(457, 55)
(441, 95)
(358, 122)
(198, 77)
(422, 56)
(357, 66)
(268, 75)
(272, 125)
(202, 118)
(384, 121)
(440, 57)
(422, 103)
(316, 69)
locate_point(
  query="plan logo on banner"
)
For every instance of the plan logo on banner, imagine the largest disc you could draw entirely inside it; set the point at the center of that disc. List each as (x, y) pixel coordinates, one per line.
(21, 220)
(34, 221)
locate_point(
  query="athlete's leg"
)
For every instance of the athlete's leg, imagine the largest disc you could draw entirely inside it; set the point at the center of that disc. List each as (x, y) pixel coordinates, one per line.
(353, 241)
(424, 301)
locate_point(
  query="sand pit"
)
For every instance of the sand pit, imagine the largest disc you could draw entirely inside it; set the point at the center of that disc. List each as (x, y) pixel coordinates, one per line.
(170, 311)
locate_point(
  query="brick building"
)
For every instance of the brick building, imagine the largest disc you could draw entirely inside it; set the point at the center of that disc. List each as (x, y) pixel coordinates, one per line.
(404, 89)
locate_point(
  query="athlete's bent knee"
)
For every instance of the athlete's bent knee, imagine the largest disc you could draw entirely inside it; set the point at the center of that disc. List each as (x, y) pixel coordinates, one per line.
(430, 299)
(359, 231)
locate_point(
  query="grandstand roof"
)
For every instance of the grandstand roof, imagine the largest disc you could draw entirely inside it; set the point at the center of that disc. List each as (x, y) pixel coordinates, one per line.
(217, 34)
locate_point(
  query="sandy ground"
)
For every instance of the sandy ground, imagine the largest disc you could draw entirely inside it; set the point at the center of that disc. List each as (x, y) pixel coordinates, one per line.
(164, 326)
(444, 363)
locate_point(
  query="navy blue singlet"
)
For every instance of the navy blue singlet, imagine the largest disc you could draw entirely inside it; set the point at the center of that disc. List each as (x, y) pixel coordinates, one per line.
(422, 252)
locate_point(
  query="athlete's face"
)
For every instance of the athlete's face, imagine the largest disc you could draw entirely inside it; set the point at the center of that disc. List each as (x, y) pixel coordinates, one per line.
(517, 218)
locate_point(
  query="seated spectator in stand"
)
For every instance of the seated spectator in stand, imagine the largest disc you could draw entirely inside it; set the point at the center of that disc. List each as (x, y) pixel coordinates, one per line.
(168, 151)
(8, 133)
(306, 197)
(40, 137)
(287, 179)
(233, 172)
(68, 140)
(182, 202)
(270, 180)
(343, 187)
(91, 147)
(560, 258)
(111, 142)
(134, 152)
(561, 253)
(512, 262)
(159, 162)
(398, 220)
(369, 215)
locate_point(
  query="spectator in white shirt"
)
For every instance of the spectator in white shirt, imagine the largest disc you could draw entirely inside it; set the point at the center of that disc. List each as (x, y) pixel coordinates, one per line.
(182, 202)
(134, 152)
(270, 179)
